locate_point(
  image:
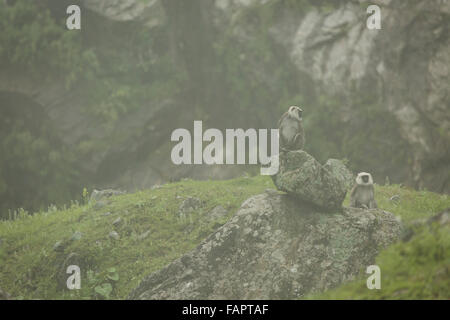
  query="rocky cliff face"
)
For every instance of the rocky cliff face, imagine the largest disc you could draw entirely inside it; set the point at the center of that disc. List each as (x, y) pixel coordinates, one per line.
(252, 58)
(404, 66)
(275, 248)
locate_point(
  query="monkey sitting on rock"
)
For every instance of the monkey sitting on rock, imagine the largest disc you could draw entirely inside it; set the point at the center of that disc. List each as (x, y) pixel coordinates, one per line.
(292, 136)
(363, 193)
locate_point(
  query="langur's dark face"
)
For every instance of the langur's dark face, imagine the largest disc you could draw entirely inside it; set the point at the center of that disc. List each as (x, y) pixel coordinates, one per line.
(365, 178)
(296, 112)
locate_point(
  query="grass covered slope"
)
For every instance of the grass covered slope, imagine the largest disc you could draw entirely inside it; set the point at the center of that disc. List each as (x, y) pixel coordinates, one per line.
(29, 265)
(414, 269)
(152, 234)
(417, 269)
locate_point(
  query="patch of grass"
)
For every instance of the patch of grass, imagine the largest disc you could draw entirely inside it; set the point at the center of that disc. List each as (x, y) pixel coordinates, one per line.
(152, 234)
(407, 203)
(417, 269)
(29, 266)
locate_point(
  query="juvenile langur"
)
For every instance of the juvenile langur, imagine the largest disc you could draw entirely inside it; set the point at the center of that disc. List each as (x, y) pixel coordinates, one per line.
(292, 136)
(363, 194)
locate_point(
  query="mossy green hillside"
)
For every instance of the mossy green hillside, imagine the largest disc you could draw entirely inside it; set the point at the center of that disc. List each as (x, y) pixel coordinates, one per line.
(29, 265)
(416, 269)
(407, 203)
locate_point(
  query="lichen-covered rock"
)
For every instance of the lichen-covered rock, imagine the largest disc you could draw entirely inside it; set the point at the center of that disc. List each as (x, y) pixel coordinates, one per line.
(216, 213)
(340, 171)
(189, 205)
(275, 248)
(305, 178)
(98, 195)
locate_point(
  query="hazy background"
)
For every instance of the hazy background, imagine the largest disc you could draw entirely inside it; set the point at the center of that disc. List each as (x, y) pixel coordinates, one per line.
(94, 108)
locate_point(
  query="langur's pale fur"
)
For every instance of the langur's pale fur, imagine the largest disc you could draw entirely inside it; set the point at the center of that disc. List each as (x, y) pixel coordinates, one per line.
(292, 135)
(363, 192)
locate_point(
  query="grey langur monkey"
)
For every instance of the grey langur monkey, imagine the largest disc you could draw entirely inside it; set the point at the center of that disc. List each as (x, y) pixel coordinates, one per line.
(363, 193)
(292, 135)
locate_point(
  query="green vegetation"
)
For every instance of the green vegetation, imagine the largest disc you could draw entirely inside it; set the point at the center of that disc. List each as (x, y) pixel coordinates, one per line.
(33, 41)
(36, 168)
(126, 70)
(415, 269)
(179, 70)
(29, 265)
(410, 205)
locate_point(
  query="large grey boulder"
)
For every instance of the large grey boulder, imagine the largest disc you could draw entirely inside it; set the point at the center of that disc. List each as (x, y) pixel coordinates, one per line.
(305, 178)
(275, 248)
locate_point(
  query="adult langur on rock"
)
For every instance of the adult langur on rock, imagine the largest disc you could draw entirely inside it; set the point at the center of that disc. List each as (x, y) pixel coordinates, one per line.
(363, 192)
(292, 135)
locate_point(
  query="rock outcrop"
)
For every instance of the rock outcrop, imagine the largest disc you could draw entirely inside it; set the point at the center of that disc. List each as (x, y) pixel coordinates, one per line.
(98, 195)
(275, 248)
(320, 51)
(305, 178)
(403, 68)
